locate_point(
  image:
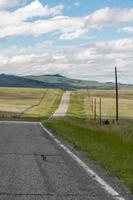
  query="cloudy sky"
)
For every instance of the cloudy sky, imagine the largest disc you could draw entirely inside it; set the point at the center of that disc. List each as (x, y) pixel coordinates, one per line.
(83, 39)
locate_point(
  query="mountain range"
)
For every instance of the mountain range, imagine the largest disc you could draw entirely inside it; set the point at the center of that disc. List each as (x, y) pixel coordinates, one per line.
(54, 81)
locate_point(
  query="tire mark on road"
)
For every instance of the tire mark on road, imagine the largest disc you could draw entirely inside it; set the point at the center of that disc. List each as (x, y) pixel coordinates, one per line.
(50, 188)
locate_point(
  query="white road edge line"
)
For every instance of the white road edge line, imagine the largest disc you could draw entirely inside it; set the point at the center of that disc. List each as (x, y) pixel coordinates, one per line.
(89, 171)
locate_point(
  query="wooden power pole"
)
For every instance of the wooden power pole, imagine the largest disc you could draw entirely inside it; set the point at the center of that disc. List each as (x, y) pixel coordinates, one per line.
(92, 105)
(117, 97)
(95, 109)
(100, 110)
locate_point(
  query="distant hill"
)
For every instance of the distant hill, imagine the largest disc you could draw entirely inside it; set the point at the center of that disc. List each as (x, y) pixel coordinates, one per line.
(54, 81)
(68, 83)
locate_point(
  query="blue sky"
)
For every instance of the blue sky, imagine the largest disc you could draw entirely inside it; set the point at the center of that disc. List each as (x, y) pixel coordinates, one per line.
(80, 39)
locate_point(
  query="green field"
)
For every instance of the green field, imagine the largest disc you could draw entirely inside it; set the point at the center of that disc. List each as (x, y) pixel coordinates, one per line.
(110, 146)
(28, 103)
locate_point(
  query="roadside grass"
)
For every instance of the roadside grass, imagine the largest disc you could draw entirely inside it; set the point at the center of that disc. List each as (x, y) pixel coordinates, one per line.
(110, 149)
(110, 146)
(79, 104)
(28, 103)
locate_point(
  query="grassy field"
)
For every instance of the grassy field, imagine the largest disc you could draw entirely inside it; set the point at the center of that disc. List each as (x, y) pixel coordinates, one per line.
(24, 103)
(82, 107)
(109, 146)
(108, 102)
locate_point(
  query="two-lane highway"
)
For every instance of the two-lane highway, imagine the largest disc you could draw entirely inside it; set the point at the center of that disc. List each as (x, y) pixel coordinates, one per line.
(34, 167)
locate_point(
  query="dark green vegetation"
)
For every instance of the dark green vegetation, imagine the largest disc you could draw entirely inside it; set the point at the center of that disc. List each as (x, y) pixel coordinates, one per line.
(53, 81)
(68, 83)
(110, 146)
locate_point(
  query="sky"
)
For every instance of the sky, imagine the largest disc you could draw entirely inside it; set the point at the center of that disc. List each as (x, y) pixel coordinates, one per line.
(83, 39)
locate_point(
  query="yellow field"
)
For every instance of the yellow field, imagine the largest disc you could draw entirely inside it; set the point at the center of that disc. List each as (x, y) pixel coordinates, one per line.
(28, 102)
(108, 102)
(81, 103)
(40, 103)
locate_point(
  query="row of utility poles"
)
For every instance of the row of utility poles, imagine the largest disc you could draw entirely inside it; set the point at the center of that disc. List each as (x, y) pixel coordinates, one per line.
(94, 103)
(94, 109)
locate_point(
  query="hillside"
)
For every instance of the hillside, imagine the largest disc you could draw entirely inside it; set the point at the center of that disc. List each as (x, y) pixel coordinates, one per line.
(17, 81)
(53, 81)
(65, 82)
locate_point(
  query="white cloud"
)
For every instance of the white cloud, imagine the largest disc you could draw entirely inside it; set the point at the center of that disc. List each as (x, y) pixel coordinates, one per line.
(18, 24)
(69, 28)
(21, 15)
(65, 25)
(8, 3)
(70, 35)
(110, 16)
(128, 29)
(36, 9)
(95, 61)
(37, 48)
(3, 59)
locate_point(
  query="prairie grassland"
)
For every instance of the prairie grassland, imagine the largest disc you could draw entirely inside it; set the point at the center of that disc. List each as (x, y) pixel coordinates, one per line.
(82, 107)
(28, 102)
(47, 105)
(110, 146)
(108, 102)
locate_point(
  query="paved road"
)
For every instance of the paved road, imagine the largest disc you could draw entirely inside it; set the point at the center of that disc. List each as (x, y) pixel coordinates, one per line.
(26, 174)
(63, 107)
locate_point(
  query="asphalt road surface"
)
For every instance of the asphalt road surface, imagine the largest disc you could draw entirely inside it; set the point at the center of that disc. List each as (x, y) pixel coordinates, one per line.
(34, 167)
(63, 107)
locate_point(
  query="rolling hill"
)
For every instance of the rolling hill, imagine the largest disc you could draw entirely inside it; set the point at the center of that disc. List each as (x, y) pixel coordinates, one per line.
(64, 82)
(54, 81)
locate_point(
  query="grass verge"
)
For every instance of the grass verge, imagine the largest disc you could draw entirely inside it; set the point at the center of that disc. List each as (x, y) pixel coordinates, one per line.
(111, 149)
(109, 146)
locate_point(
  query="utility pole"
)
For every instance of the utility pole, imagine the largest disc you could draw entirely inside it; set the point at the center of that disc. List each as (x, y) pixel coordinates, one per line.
(89, 100)
(100, 110)
(117, 97)
(88, 94)
(95, 109)
(92, 106)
